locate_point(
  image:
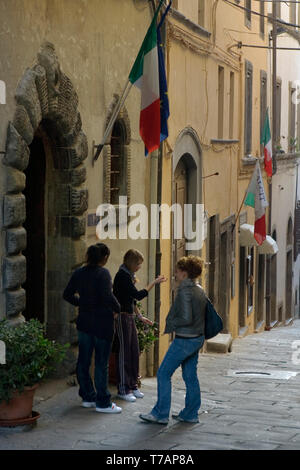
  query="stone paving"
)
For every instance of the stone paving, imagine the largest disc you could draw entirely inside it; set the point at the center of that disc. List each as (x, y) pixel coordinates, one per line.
(254, 412)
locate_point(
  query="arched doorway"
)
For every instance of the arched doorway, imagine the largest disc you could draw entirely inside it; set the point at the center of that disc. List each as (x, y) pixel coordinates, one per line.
(289, 272)
(187, 186)
(34, 224)
(273, 286)
(181, 199)
(46, 143)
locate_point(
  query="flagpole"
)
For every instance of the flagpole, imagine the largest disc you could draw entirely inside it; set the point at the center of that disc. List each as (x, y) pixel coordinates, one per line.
(233, 227)
(113, 118)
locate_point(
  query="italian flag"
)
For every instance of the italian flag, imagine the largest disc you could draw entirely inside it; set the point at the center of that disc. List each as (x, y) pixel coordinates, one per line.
(267, 143)
(256, 198)
(145, 75)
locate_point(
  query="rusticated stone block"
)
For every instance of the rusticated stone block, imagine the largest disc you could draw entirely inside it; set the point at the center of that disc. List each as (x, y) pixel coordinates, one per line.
(14, 210)
(15, 180)
(17, 151)
(79, 201)
(27, 95)
(22, 123)
(14, 271)
(16, 239)
(15, 302)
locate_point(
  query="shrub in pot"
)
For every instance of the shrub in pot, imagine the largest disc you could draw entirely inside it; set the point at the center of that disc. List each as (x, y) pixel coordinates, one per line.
(30, 358)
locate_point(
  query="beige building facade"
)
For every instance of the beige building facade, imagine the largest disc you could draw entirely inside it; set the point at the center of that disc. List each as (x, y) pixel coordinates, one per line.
(64, 65)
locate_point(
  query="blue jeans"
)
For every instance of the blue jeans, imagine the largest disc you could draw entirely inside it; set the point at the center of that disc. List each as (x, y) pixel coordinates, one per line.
(182, 352)
(87, 344)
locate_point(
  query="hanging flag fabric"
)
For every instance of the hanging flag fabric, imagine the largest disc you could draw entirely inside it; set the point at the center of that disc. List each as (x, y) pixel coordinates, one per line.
(164, 100)
(267, 143)
(256, 198)
(163, 88)
(145, 75)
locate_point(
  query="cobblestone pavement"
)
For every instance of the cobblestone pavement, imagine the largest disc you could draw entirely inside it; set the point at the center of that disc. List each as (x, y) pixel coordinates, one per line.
(255, 411)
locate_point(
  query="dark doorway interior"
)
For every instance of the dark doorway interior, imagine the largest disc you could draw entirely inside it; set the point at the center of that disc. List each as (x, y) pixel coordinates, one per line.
(35, 227)
(242, 288)
(224, 285)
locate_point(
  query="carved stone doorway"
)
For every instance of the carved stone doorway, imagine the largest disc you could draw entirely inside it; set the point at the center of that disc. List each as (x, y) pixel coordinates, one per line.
(46, 134)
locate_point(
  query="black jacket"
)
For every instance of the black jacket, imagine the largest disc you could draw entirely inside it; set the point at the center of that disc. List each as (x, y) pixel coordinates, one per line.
(90, 288)
(126, 292)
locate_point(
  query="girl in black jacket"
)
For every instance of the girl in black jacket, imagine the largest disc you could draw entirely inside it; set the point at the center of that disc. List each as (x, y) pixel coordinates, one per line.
(90, 288)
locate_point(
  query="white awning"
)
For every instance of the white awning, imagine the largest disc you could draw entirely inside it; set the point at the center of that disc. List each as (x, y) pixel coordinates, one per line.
(268, 247)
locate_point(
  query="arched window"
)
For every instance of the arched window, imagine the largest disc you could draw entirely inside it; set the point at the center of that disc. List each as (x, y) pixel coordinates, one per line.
(118, 166)
(289, 272)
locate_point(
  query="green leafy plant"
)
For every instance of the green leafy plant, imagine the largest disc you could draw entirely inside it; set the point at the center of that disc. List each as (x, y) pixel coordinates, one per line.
(30, 356)
(147, 334)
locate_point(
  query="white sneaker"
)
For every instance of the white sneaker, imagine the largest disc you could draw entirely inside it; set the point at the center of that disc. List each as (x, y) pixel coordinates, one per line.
(137, 393)
(127, 397)
(110, 409)
(88, 404)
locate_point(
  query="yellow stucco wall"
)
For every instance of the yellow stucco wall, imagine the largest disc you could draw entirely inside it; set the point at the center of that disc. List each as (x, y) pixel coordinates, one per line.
(193, 62)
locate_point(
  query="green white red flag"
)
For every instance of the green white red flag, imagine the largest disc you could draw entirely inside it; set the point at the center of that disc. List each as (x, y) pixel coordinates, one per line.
(256, 198)
(145, 75)
(267, 143)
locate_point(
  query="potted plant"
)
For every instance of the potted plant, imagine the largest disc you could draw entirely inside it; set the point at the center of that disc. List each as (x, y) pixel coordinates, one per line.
(30, 357)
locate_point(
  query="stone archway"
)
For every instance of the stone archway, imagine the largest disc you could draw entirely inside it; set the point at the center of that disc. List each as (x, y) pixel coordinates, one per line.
(47, 100)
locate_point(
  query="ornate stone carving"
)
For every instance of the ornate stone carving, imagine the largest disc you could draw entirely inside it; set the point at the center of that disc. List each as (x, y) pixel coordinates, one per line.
(45, 94)
(79, 201)
(17, 151)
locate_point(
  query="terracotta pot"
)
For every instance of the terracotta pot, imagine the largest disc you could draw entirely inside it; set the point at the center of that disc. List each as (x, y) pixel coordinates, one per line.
(20, 405)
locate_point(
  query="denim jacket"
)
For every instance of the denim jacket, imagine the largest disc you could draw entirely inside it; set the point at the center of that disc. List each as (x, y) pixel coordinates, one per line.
(187, 314)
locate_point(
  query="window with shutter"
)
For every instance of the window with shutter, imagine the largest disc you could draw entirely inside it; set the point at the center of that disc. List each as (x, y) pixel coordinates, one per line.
(220, 102)
(292, 117)
(118, 173)
(201, 13)
(293, 7)
(278, 112)
(263, 99)
(262, 20)
(248, 107)
(248, 13)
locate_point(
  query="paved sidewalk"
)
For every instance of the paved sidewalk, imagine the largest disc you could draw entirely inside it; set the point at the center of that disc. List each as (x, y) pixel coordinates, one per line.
(238, 412)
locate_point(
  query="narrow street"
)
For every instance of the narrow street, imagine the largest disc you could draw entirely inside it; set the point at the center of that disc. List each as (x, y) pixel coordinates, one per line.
(252, 412)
